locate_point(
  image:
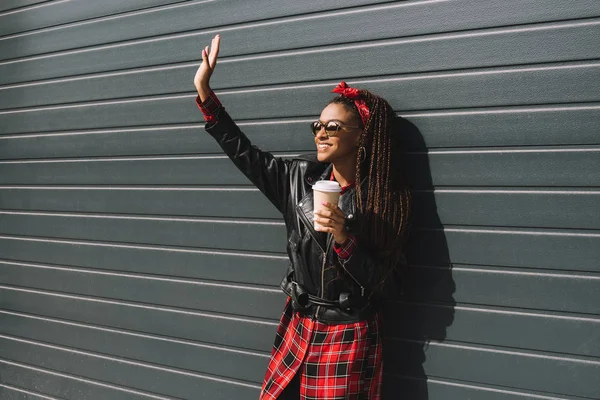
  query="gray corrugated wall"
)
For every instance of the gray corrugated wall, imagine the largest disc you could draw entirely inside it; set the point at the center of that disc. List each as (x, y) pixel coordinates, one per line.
(137, 263)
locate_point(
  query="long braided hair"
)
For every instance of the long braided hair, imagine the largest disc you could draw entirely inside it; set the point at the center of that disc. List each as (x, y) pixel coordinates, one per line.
(386, 206)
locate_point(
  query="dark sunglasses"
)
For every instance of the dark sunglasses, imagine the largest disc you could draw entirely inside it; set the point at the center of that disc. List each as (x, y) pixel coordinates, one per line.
(331, 127)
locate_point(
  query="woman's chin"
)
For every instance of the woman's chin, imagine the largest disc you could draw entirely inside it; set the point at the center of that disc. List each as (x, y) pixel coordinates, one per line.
(322, 157)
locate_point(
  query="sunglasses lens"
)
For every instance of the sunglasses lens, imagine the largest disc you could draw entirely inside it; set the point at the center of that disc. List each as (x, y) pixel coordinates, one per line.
(315, 127)
(332, 128)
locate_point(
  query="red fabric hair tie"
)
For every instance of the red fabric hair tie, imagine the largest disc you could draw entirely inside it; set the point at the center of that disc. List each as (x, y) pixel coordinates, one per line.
(357, 96)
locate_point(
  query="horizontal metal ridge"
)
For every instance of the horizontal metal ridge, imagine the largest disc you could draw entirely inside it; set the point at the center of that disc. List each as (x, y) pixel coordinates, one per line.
(139, 334)
(517, 231)
(592, 148)
(482, 387)
(27, 392)
(181, 3)
(478, 32)
(197, 188)
(495, 110)
(235, 221)
(40, 4)
(135, 275)
(160, 188)
(86, 380)
(539, 272)
(506, 310)
(253, 320)
(131, 362)
(327, 84)
(198, 250)
(507, 351)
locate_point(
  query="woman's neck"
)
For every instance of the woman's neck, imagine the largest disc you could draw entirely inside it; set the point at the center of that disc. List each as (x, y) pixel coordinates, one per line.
(344, 173)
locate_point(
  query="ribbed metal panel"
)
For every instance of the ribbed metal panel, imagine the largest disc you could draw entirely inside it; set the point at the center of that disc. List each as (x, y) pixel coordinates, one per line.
(130, 269)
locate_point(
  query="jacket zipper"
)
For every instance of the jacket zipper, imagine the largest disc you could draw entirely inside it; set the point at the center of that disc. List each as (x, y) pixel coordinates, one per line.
(323, 271)
(308, 223)
(362, 289)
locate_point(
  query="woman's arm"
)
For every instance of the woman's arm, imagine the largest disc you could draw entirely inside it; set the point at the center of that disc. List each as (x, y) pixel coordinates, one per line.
(267, 172)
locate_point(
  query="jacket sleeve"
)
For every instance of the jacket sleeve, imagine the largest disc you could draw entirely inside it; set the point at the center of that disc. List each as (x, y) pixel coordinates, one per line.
(364, 268)
(268, 173)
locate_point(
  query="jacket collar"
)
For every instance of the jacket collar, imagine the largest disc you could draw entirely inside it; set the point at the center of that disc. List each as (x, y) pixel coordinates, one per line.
(317, 170)
(314, 168)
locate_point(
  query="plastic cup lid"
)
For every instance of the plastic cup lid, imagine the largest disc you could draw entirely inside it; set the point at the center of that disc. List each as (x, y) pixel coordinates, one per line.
(327, 186)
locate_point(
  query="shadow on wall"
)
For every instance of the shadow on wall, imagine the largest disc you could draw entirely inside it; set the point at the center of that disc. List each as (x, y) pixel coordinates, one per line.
(425, 309)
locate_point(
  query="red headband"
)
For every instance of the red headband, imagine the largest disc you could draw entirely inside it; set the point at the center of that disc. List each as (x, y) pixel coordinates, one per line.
(357, 96)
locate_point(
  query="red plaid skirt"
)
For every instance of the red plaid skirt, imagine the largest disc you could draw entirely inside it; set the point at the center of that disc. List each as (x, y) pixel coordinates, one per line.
(334, 361)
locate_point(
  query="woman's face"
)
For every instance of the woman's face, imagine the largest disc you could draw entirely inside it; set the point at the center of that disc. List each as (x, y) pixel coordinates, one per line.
(343, 146)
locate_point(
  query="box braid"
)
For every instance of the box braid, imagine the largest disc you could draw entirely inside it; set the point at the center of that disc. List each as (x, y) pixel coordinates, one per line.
(386, 206)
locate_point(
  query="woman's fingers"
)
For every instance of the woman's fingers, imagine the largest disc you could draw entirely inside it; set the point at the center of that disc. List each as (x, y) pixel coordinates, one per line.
(329, 215)
(214, 51)
(326, 229)
(334, 208)
(329, 222)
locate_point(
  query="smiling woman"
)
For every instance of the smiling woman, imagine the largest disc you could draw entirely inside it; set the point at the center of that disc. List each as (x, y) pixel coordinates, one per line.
(328, 344)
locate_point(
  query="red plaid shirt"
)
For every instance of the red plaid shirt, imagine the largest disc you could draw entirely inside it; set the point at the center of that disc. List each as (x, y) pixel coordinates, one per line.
(313, 360)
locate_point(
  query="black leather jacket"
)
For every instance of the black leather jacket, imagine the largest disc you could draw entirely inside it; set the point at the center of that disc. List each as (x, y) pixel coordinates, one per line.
(314, 265)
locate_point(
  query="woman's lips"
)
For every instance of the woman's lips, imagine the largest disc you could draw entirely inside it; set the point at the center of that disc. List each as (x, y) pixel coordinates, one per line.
(322, 146)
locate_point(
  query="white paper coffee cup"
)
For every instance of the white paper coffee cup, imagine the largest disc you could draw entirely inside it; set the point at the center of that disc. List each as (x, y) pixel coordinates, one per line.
(325, 191)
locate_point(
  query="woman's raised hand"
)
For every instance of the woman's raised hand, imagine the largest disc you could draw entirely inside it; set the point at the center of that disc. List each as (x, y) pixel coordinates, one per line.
(209, 61)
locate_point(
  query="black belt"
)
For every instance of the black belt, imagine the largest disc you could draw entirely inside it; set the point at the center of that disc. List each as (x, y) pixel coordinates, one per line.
(344, 310)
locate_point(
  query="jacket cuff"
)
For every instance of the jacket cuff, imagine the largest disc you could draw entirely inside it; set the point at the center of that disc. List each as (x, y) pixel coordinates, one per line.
(210, 107)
